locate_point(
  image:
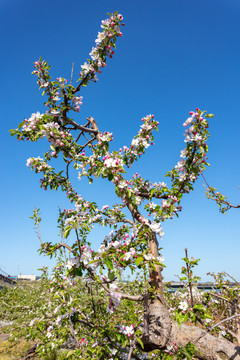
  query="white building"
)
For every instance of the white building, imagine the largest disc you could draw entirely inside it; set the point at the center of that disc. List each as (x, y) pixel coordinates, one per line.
(28, 277)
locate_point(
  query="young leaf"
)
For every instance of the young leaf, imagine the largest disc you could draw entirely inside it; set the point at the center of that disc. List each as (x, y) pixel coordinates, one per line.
(139, 260)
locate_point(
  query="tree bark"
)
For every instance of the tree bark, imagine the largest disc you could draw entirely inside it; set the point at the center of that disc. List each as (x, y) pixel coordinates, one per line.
(155, 275)
(163, 332)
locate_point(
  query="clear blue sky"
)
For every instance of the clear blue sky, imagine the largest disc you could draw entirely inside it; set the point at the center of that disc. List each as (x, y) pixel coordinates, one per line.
(174, 56)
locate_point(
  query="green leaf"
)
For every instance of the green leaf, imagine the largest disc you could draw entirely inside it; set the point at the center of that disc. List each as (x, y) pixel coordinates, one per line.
(70, 353)
(21, 124)
(139, 341)
(192, 316)
(67, 231)
(129, 194)
(85, 226)
(152, 191)
(208, 316)
(185, 317)
(109, 263)
(93, 261)
(139, 260)
(161, 264)
(110, 177)
(111, 275)
(199, 307)
(118, 274)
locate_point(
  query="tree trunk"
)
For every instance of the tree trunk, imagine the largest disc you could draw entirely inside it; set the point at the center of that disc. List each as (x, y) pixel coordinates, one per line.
(163, 332)
(155, 276)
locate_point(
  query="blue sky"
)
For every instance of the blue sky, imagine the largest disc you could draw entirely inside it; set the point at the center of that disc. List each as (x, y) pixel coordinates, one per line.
(174, 56)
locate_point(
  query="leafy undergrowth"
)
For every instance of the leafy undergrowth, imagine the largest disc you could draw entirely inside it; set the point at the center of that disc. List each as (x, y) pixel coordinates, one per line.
(15, 350)
(23, 350)
(51, 313)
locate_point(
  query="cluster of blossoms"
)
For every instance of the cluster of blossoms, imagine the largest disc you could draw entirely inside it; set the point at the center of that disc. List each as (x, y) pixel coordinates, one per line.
(118, 244)
(184, 173)
(60, 281)
(75, 218)
(196, 136)
(127, 330)
(42, 81)
(62, 80)
(104, 43)
(73, 262)
(126, 190)
(31, 124)
(111, 162)
(49, 332)
(141, 141)
(183, 298)
(114, 302)
(221, 200)
(56, 137)
(105, 137)
(111, 242)
(77, 101)
(38, 164)
(41, 125)
(85, 258)
(191, 133)
(156, 227)
(87, 213)
(90, 165)
(41, 71)
(150, 257)
(172, 349)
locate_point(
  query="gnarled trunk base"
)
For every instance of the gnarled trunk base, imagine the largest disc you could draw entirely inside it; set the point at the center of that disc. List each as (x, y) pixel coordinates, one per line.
(163, 332)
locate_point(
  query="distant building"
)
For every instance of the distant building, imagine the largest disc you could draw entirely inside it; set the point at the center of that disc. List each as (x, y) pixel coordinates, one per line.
(28, 277)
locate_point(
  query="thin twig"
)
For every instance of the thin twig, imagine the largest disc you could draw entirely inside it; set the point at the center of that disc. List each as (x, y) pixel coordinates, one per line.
(222, 201)
(231, 277)
(219, 323)
(81, 132)
(85, 137)
(38, 232)
(156, 196)
(123, 295)
(72, 73)
(87, 143)
(66, 246)
(224, 320)
(189, 282)
(218, 296)
(80, 127)
(67, 169)
(130, 353)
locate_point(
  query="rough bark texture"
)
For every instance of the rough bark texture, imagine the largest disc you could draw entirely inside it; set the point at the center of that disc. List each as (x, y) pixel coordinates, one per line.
(163, 331)
(155, 276)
